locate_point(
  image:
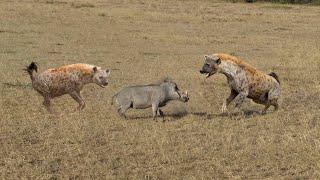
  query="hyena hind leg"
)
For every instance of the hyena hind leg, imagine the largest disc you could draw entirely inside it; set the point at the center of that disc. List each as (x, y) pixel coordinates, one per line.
(276, 105)
(274, 98)
(47, 103)
(271, 101)
(264, 111)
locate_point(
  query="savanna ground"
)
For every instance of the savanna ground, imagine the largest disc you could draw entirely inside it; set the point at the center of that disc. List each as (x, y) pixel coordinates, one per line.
(147, 40)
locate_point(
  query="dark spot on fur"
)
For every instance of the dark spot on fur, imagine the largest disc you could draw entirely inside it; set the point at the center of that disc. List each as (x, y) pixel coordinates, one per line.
(266, 96)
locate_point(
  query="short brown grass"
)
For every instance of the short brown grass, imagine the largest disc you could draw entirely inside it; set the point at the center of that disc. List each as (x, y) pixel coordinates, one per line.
(147, 40)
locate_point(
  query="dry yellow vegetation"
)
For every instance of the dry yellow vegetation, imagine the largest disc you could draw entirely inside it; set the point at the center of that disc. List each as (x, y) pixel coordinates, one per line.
(147, 40)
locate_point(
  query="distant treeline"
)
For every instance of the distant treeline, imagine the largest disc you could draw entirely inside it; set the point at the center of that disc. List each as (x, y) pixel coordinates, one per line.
(312, 2)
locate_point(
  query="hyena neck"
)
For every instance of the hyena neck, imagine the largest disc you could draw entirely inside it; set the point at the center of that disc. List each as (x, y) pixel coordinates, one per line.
(229, 69)
(86, 78)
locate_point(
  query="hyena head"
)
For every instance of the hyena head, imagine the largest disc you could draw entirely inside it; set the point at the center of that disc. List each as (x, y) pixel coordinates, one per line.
(100, 76)
(211, 65)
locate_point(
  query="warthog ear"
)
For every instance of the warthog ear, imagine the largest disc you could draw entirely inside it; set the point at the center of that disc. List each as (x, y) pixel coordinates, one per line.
(219, 61)
(95, 69)
(108, 71)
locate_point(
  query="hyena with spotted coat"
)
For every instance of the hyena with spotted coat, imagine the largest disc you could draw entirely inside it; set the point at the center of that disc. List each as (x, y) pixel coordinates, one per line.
(244, 81)
(68, 79)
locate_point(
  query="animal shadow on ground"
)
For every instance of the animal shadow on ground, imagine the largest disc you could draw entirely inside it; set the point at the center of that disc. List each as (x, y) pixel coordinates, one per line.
(244, 113)
(175, 116)
(204, 115)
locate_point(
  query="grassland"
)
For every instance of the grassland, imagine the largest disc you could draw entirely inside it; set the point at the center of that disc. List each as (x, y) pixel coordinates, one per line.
(147, 40)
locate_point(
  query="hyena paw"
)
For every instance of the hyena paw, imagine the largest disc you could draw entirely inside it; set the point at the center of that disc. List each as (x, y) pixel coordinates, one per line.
(224, 108)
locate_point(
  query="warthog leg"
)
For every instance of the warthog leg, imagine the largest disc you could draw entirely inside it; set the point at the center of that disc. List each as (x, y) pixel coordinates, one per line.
(160, 113)
(155, 109)
(231, 97)
(123, 108)
(122, 114)
(76, 96)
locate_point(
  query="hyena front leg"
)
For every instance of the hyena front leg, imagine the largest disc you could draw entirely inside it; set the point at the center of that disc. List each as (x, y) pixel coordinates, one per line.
(240, 99)
(76, 96)
(231, 97)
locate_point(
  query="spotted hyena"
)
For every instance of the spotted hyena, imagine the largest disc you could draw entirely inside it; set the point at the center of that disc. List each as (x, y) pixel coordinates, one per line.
(68, 79)
(244, 81)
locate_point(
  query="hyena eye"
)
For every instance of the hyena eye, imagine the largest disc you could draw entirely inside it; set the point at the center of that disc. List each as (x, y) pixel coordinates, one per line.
(101, 77)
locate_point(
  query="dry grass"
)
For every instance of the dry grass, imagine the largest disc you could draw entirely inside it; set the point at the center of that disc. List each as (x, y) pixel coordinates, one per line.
(147, 40)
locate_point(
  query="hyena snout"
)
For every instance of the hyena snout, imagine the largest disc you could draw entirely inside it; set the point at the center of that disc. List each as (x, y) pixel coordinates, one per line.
(101, 77)
(202, 71)
(206, 69)
(103, 82)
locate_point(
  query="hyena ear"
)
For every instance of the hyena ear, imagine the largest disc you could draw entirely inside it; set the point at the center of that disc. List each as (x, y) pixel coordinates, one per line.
(108, 71)
(219, 61)
(95, 69)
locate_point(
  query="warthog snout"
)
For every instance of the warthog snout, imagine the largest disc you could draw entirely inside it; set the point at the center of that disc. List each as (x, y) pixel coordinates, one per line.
(185, 97)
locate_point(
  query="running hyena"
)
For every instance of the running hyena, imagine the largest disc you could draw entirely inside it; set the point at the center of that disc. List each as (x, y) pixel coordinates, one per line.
(68, 79)
(244, 81)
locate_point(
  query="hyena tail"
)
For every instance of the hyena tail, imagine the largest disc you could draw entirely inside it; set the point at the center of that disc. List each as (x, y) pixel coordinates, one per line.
(275, 76)
(31, 68)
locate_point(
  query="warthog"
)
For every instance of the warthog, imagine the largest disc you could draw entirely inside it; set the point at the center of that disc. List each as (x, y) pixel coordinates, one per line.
(145, 96)
(68, 79)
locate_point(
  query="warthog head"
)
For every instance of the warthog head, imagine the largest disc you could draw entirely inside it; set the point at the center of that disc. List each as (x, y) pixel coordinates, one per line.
(100, 76)
(174, 92)
(211, 65)
(184, 96)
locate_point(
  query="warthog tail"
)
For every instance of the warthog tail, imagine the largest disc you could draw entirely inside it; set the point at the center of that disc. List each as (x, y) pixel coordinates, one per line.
(275, 76)
(113, 99)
